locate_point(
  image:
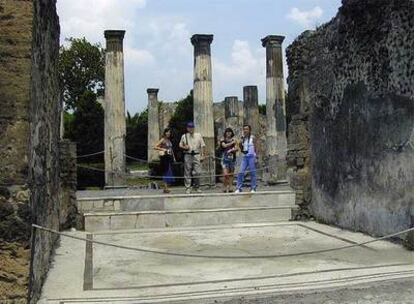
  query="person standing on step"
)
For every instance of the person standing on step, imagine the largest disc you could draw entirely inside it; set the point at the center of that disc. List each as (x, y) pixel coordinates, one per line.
(193, 145)
(166, 152)
(229, 147)
(248, 148)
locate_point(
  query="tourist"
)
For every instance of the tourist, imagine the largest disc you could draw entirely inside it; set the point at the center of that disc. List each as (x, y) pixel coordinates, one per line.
(165, 148)
(193, 145)
(248, 148)
(229, 147)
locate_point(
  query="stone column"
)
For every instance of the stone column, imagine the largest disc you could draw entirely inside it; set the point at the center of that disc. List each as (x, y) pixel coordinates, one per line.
(251, 108)
(276, 143)
(231, 106)
(115, 124)
(203, 100)
(153, 124)
(252, 118)
(232, 115)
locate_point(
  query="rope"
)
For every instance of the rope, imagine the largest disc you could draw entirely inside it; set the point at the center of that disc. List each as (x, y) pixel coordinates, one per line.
(137, 159)
(176, 177)
(92, 154)
(189, 255)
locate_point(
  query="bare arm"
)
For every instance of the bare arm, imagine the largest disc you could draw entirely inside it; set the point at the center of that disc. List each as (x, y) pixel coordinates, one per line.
(158, 146)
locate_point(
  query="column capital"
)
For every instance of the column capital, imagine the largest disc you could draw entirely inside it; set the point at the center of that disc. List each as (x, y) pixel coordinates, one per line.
(114, 40)
(201, 38)
(152, 91)
(250, 87)
(231, 98)
(272, 40)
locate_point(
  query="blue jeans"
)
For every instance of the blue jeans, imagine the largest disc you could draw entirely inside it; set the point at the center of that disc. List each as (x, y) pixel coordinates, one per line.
(248, 161)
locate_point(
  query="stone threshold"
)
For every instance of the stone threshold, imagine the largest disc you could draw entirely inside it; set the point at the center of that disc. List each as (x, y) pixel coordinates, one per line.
(192, 195)
(109, 213)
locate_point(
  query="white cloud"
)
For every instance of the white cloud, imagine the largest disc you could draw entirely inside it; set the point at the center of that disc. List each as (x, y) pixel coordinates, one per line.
(305, 18)
(90, 18)
(168, 34)
(244, 63)
(245, 67)
(138, 57)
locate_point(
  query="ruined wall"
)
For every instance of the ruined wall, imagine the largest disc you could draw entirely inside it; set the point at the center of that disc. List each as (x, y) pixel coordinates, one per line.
(44, 168)
(351, 89)
(68, 210)
(166, 111)
(15, 46)
(15, 41)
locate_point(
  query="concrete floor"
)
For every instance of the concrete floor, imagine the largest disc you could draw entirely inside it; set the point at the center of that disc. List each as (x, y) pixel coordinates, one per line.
(92, 274)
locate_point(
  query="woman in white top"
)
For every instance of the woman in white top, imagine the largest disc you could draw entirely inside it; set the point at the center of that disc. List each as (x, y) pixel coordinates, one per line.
(248, 148)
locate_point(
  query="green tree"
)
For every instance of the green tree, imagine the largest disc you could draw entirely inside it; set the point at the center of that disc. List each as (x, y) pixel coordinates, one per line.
(87, 127)
(183, 114)
(262, 109)
(82, 68)
(137, 135)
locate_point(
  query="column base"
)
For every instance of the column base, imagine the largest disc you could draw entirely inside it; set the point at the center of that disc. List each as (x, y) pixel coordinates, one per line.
(276, 170)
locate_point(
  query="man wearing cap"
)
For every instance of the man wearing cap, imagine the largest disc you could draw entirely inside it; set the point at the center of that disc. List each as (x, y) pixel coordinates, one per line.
(193, 145)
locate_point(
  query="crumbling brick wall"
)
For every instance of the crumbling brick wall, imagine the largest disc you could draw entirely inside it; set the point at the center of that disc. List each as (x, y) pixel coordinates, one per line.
(351, 89)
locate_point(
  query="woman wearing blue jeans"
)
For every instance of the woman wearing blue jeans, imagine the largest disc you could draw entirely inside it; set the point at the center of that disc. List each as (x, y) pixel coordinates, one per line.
(248, 148)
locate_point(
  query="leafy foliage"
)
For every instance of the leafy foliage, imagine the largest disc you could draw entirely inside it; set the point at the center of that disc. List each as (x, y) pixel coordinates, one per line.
(183, 114)
(82, 68)
(87, 127)
(262, 109)
(137, 135)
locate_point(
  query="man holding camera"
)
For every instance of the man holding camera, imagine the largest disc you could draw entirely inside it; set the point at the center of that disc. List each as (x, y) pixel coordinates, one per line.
(193, 145)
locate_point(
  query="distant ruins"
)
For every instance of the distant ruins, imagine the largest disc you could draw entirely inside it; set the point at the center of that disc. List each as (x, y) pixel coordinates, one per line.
(349, 144)
(212, 118)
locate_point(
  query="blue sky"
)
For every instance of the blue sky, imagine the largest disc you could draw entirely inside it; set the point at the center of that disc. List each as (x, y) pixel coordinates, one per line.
(157, 47)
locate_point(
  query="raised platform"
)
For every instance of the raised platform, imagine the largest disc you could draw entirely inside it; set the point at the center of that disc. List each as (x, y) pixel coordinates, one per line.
(143, 210)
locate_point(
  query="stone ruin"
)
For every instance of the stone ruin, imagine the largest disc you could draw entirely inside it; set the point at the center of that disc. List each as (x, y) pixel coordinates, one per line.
(351, 138)
(350, 145)
(211, 119)
(37, 168)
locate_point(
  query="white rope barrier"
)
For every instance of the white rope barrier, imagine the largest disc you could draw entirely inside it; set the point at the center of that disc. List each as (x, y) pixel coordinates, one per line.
(191, 255)
(175, 177)
(92, 154)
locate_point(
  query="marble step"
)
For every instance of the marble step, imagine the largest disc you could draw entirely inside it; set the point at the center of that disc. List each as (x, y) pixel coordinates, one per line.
(156, 202)
(125, 220)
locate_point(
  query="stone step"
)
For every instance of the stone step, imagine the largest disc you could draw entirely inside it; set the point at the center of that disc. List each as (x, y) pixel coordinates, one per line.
(118, 220)
(280, 198)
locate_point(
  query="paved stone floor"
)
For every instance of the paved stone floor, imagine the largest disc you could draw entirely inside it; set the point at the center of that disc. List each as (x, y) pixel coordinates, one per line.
(98, 274)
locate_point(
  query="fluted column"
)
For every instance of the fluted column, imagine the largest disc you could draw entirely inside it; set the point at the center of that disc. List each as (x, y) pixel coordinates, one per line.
(203, 101)
(276, 143)
(153, 124)
(115, 124)
(232, 114)
(251, 108)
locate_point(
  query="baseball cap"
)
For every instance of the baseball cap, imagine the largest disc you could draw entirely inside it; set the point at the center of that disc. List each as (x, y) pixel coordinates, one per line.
(190, 124)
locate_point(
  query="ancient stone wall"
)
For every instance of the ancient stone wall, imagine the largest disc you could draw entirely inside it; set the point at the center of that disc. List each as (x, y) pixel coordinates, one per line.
(351, 89)
(15, 47)
(44, 154)
(15, 41)
(166, 112)
(68, 210)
